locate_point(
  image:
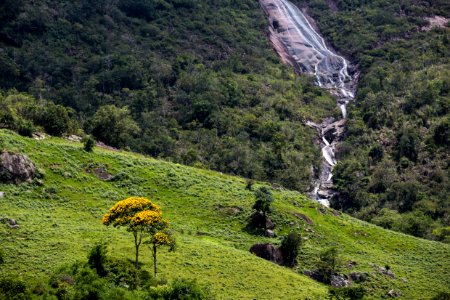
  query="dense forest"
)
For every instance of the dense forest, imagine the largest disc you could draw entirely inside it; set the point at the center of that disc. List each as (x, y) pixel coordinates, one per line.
(195, 82)
(393, 168)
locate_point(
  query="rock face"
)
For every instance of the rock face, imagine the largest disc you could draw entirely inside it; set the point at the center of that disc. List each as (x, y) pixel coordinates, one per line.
(16, 168)
(339, 281)
(269, 233)
(268, 252)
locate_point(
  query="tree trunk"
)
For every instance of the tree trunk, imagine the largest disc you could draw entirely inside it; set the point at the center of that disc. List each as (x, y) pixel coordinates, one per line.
(137, 243)
(154, 259)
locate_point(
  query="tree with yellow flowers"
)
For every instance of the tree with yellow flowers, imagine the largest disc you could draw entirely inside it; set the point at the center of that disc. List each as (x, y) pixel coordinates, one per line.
(160, 237)
(139, 215)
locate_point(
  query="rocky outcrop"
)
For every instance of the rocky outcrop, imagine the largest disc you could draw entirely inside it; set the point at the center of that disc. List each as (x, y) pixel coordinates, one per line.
(435, 22)
(268, 252)
(339, 281)
(11, 223)
(16, 168)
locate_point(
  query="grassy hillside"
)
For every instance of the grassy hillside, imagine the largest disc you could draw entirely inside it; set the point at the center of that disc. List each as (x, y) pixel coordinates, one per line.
(60, 221)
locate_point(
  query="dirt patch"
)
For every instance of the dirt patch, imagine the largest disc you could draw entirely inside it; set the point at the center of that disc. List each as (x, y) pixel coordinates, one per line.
(304, 218)
(104, 146)
(102, 173)
(229, 210)
(335, 213)
(99, 171)
(435, 22)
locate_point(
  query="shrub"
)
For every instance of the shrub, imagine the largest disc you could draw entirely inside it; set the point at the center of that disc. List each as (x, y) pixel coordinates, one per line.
(13, 289)
(290, 247)
(181, 289)
(89, 144)
(329, 264)
(352, 293)
(97, 259)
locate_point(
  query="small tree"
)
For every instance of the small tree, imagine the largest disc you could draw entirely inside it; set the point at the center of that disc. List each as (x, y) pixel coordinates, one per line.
(263, 201)
(89, 143)
(329, 264)
(157, 239)
(290, 246)
(136, 214)
(97, 258)
(259, 219)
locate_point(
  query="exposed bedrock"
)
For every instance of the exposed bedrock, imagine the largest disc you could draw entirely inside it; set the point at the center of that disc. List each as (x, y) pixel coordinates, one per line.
(299, 45)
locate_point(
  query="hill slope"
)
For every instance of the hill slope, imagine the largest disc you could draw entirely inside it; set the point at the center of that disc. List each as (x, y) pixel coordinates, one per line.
(198, 77)
(60, 221)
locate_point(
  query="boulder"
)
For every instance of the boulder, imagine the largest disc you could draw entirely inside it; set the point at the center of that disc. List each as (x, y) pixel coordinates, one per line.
(268, 252)
(339, 281)
(2, 194)
(269, 224)
(394, 294)
(269, 233)
(16, 168)
(358, 277)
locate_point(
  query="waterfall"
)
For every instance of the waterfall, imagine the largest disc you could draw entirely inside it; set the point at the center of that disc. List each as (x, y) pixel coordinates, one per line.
(301, 46)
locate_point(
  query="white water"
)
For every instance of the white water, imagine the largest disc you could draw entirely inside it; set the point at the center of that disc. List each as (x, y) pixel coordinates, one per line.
(307, 52)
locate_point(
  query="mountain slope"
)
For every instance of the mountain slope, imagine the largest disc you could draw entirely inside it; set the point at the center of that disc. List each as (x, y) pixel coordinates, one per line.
(393, 168)
(60, 221)
(198, 77)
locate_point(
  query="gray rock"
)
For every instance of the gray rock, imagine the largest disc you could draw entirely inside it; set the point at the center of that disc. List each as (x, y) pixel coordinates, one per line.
(270, 224)
(16, 168)
(269, 233)
(268, 252)
(2, 194)
(358, 277)
(394, 294)
(339, 281)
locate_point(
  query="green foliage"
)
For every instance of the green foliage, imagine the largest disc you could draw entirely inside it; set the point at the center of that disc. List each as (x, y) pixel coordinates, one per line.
(114, 126)
(290, 247)
(329, 263)
(88, 143)
(264, 199)
(350, 293)
(394, 155)
(442, 296)
(208, 211)
(22, 113)
(97, 259)
(200, 90)
(13, 289)
(182, 289)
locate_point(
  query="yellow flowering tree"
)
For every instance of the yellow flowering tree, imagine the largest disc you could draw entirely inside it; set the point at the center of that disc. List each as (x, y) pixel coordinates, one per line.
(137, 214)
(160, 236)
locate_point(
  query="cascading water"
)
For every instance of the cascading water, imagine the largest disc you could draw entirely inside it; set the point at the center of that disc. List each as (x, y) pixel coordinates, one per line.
(301, 46)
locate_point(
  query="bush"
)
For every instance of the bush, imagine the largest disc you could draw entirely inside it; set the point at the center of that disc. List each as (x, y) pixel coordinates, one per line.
(181, 289)
(2, 257)
(89, 143)
(329, 264)
(97, 259)
(290, 248)
(13, 289)
(352, 293)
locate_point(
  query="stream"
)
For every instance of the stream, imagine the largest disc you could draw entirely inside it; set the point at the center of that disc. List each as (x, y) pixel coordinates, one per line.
(299, 45)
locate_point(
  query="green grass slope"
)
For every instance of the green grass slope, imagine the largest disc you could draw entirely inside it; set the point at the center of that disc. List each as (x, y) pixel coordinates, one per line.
(61, 220)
